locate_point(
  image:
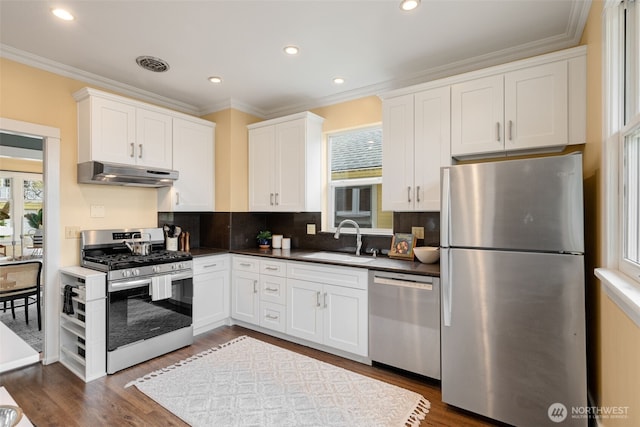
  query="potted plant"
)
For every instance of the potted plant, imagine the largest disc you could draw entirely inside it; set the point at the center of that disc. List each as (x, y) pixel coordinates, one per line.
(35, 222)
(264, 239)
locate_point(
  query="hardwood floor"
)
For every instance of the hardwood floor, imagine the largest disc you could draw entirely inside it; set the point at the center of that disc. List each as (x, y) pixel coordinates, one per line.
(52, 396)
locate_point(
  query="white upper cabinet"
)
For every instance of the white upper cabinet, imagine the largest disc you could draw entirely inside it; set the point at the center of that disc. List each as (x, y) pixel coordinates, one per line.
(535, 108)
(285, 161)
(416, 141)
(193, 158)
(118, 130)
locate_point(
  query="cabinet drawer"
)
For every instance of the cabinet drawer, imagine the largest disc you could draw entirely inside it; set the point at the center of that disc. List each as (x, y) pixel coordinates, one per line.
(272, 316)
(273, 268)
(243, 263)
(350, 277)
(273, 289)
(209, 264)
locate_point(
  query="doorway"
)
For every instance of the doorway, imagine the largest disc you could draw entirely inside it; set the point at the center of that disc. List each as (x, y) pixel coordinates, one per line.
(50, 222)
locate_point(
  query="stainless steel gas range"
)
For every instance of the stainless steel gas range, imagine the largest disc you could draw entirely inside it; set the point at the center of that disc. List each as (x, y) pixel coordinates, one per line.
(149, 293)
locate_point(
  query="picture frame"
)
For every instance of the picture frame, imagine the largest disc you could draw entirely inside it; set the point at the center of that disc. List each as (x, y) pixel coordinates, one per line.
(402, 246)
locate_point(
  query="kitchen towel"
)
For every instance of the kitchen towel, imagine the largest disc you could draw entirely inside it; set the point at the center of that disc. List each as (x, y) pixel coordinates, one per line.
(160, 287)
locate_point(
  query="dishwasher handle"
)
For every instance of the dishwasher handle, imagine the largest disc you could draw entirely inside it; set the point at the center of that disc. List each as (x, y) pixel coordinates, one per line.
(426, 285)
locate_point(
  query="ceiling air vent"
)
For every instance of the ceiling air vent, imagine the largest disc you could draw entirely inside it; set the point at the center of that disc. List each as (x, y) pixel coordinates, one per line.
(152, 63)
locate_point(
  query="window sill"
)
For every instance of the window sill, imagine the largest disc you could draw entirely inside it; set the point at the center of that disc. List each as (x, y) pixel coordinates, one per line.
(622, 290)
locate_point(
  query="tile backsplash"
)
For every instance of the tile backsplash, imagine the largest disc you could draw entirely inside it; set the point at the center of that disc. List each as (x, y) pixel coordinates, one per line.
(237, 230)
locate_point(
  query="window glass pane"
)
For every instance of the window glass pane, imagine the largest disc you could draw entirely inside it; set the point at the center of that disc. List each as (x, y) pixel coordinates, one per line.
(357, 155)
(6, 221)
(631, 198)
(32, 193)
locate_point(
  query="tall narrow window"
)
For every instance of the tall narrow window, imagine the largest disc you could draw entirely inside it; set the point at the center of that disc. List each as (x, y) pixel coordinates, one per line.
(355, 180)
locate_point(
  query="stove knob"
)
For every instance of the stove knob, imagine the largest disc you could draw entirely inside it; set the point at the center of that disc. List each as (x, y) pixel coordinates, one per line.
(136, 272)
(155, 269)
(126, 273)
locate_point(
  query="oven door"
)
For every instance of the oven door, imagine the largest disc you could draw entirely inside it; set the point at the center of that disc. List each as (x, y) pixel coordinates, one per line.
(132, 316)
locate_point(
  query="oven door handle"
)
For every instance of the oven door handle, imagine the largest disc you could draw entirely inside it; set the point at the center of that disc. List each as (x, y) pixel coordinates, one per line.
(129, 284)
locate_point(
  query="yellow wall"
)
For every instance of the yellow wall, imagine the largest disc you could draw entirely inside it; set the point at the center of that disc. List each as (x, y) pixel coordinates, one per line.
(232, 156)
(19, 165)
(614, 348)
(32, 95)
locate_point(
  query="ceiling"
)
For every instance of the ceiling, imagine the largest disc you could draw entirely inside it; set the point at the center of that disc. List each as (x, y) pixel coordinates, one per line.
(372, 44)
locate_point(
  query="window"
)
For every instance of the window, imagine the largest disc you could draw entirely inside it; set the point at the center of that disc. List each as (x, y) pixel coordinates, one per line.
(20, 210)
(622, 130)
(355, 180)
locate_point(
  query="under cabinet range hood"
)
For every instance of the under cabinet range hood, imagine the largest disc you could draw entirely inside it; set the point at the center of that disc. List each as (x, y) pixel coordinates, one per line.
(117, 174)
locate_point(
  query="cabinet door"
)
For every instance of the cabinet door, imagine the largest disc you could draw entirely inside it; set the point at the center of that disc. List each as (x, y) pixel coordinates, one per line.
(397, 153)
(210, 300)
(345, 319)
(245, 301)
(193, 158)
(261, 169)
(113, 131)
(304, 310)
(289, 166)
(432, 145)
(536, 107)
(477, 111)
(153, 139)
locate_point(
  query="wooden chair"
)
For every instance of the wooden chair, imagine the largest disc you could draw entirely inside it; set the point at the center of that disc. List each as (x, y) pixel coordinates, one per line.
(21, 280)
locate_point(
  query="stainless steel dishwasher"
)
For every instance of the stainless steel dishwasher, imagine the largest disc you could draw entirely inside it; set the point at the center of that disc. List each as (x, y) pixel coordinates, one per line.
(404, 321)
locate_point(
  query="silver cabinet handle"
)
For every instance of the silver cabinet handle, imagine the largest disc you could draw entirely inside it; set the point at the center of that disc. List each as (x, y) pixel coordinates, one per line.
(409, 194)
(245, 264)
(497, 131)
(510, 130)
(255, 286)
(277, 194)
(177, 198)
(271, 289)
(271, 199)
(133, 149)
(140, 152)
(272, 317)
(271, 268)
(418, 194)
(318, 299)
(209, 265)
(325, 300)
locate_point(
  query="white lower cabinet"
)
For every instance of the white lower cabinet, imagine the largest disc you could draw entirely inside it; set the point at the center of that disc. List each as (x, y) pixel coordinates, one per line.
(245, 296)
(322, 304)
(210, 292)
(328, 305)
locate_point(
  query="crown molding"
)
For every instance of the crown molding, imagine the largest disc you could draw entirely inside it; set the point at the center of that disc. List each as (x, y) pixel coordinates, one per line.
(93, 79)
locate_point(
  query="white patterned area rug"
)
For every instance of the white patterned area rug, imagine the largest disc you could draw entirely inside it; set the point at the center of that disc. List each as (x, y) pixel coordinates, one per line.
(247, 382)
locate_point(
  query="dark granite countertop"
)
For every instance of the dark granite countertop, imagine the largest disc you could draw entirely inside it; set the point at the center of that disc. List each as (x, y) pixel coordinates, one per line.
(381, 263)
(208, 251)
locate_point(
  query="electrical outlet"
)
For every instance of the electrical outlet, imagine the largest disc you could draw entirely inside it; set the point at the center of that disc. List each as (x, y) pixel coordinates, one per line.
(311, 229)
(72, 232)
(418, 232)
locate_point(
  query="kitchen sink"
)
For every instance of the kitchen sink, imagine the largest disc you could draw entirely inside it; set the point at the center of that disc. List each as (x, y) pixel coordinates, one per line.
(332, 256)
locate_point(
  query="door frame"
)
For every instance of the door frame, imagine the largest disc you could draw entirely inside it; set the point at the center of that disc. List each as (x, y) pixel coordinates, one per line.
(51, 223)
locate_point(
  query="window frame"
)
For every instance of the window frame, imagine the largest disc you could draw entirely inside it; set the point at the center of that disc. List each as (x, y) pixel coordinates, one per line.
(622, 118)
(332, 184)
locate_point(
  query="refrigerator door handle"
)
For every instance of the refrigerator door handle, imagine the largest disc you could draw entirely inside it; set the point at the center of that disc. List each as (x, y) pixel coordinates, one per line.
(445, 286)
(445, 208)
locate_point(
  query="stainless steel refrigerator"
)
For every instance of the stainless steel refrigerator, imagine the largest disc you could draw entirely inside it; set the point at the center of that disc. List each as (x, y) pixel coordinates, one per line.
(512, 283)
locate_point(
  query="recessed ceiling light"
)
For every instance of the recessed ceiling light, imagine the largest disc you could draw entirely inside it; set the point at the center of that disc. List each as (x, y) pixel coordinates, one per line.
(63, 14)
(338, 80)
(215, 79)
(291, 50)
(407, 5)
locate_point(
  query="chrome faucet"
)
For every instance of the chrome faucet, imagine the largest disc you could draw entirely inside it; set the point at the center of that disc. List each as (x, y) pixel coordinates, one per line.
(358, 238)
